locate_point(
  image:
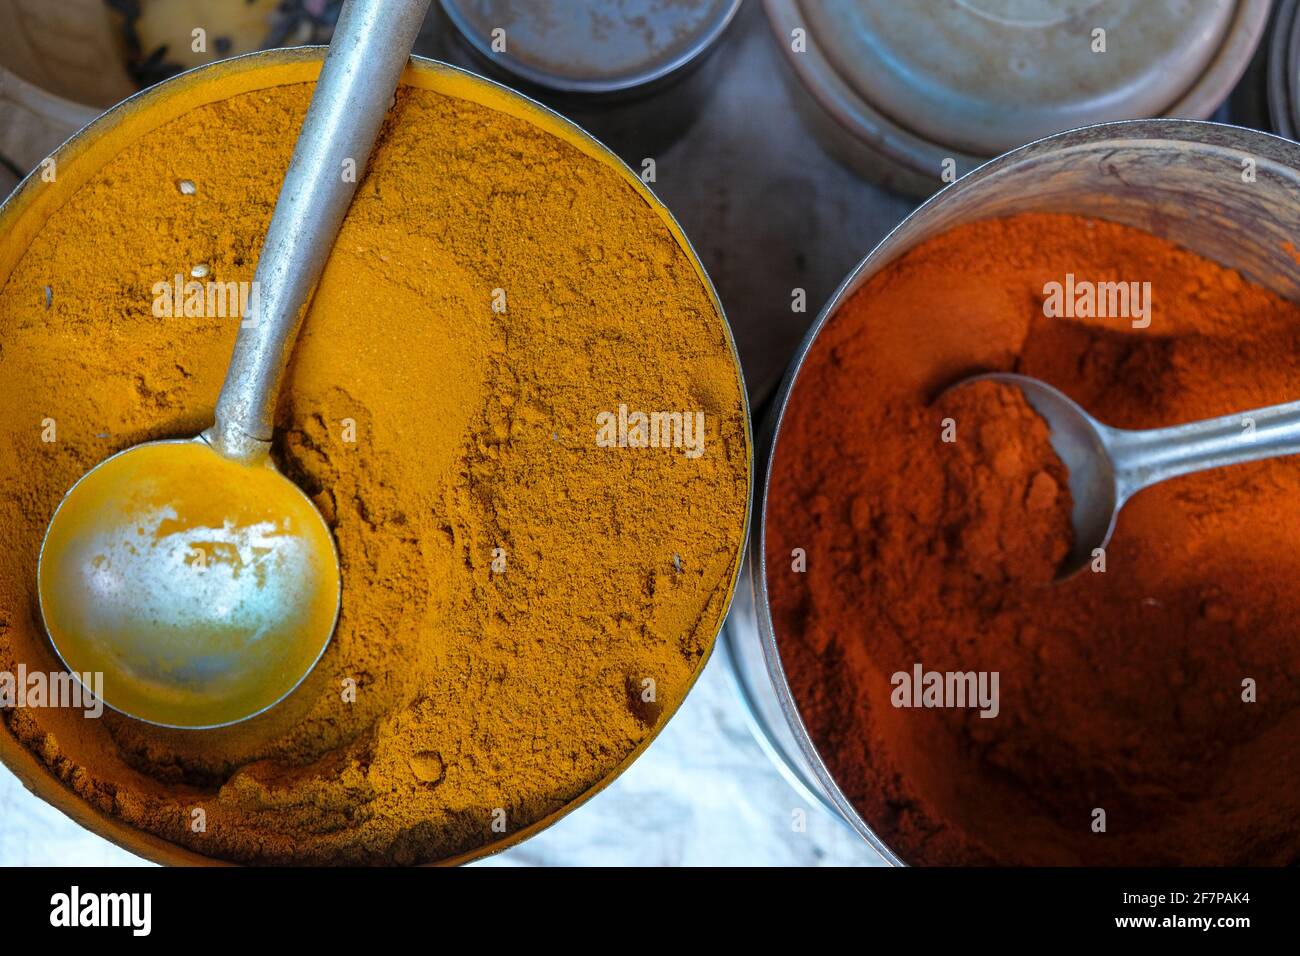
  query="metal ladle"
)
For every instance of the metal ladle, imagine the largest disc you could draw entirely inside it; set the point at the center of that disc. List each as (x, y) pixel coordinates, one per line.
(1108, 466)
(199, 581)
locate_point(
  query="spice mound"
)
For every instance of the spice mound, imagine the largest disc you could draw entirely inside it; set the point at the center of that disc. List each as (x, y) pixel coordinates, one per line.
(1006, 496)
(523, 605)
(1144, 711)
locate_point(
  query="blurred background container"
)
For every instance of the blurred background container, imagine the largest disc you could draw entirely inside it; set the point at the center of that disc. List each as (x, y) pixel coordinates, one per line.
(898, 90)
(62, 62)
(635, 73)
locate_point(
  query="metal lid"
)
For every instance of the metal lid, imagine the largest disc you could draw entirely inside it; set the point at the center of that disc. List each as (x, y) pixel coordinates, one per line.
(1284, 69)
(597, 46)
(984, 76)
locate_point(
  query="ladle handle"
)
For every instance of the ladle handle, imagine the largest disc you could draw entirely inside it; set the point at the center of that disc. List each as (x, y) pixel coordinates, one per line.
(1143, 458)
(370, 48)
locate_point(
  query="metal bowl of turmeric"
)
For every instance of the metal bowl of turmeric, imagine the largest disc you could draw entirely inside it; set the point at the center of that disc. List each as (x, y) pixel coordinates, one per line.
(515, 400)
(902, 647)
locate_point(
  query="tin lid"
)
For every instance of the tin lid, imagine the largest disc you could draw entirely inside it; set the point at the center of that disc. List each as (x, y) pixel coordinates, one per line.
(1283, 73)
(597, 46)
(984, 76)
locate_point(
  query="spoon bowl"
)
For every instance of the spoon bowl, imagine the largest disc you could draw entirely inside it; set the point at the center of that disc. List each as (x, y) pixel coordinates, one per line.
(1107, 466)
(202, 589)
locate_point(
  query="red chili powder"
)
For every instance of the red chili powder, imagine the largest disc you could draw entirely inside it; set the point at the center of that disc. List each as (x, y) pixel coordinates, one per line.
(1149, 714)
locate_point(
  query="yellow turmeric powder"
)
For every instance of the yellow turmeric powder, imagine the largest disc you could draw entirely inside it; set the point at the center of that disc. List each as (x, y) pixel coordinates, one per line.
(522, 607)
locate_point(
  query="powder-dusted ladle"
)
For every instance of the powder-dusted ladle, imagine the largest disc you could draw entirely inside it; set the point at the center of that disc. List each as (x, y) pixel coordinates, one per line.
(202, 583)
(1108, 466)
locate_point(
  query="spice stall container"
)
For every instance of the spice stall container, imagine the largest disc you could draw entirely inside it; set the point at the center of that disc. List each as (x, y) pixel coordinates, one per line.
(601, 49)
(636, 74)
(1282, 69)
(1222, 192)
(77, 767)
(900, 92)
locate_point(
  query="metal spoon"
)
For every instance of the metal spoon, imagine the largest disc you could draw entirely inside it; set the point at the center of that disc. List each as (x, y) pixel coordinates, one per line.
(199, 581)
(1108, 466)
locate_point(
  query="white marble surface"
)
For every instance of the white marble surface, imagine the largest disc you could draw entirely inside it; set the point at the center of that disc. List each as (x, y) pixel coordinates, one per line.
(702, 794)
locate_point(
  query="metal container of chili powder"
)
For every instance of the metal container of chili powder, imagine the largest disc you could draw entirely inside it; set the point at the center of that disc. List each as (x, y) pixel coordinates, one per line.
(1223, 192)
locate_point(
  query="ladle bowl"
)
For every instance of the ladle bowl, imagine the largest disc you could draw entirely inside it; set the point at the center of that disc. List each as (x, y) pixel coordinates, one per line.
(203, 594)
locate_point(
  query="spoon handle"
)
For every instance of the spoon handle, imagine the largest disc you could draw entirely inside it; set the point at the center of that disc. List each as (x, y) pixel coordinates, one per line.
(370, 48)
(1143, 458)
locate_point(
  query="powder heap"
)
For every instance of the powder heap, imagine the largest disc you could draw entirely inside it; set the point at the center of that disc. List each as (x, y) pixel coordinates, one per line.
(522, 608)
(1005, 508)
(1149, 713)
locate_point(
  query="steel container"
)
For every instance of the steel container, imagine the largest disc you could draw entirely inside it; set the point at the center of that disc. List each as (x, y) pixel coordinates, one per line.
(1283, 69)
(1227, 193)
(886, 133)
(547, 52)
(642, 100)
(23, 214)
